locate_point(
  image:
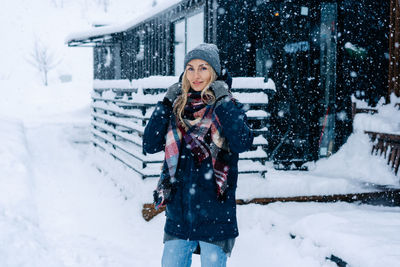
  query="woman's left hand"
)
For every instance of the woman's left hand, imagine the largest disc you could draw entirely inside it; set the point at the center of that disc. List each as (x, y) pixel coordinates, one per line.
(220, 89)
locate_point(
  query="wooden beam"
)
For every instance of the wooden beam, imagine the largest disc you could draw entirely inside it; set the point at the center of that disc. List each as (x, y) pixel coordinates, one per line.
(388, 197)
(149, 212)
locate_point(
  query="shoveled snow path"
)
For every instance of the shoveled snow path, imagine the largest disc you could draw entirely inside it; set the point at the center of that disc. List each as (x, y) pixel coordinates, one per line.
(81, 212)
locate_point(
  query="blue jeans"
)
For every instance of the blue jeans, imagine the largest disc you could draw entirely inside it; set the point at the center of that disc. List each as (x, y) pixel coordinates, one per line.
(178, 253)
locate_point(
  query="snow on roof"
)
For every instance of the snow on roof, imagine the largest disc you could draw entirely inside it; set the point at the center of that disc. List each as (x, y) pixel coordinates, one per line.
(107, 30)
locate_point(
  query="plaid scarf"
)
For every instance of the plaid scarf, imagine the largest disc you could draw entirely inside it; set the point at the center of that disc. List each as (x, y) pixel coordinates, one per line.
(203, 137)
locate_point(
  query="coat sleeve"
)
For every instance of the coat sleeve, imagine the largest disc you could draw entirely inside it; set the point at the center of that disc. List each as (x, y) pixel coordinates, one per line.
(233, 120)
(157, 127)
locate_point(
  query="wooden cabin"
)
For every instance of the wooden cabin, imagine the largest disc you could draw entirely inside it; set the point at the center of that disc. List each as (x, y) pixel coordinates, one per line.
(318, 54)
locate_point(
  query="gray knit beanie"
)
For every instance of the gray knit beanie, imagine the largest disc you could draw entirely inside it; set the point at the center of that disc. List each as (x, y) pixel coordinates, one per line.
(206, 52)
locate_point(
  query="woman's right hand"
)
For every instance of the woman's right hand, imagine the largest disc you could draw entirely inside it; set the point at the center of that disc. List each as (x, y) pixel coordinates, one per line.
(173, 92)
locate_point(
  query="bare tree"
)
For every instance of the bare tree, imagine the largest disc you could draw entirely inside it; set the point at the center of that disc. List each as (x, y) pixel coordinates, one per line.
(58, 3)
(43, 60)
(104, 3)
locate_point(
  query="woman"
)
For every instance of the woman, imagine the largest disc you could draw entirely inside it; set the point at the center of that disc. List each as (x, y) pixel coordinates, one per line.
(202, 129)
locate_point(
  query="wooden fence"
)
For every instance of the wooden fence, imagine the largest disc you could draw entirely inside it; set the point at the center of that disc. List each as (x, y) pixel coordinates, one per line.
(121, 110)
(388, 146)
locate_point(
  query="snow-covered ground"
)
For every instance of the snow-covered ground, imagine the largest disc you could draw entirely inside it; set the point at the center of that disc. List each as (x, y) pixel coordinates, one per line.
(57, 209)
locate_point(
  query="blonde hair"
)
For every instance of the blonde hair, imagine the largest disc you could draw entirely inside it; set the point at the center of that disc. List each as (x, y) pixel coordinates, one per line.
(207, 95)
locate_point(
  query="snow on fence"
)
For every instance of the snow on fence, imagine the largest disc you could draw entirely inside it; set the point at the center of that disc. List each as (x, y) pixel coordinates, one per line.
(121, 109)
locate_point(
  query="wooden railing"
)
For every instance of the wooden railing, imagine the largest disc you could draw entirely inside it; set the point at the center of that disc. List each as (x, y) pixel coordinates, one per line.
(355, 110)
(388, 146)
(120, 114)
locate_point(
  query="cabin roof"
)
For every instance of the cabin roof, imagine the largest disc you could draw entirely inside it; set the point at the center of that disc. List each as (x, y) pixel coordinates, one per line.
(104, 34)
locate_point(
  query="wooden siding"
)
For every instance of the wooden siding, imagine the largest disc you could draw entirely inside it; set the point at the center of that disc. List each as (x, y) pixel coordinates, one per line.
(394, 48)
(157, 38)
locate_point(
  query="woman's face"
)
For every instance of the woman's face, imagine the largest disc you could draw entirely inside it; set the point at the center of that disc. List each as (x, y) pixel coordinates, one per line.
(198, 72)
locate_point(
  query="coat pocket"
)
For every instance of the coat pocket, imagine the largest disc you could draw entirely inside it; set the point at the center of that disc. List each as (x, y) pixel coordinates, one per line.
(173, 209)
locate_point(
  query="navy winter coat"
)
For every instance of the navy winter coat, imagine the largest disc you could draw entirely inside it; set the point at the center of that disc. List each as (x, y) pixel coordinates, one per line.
(194, 212)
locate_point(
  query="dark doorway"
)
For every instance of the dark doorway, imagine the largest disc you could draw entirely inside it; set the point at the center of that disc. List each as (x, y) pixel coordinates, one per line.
(287, 51)
(318, 55)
